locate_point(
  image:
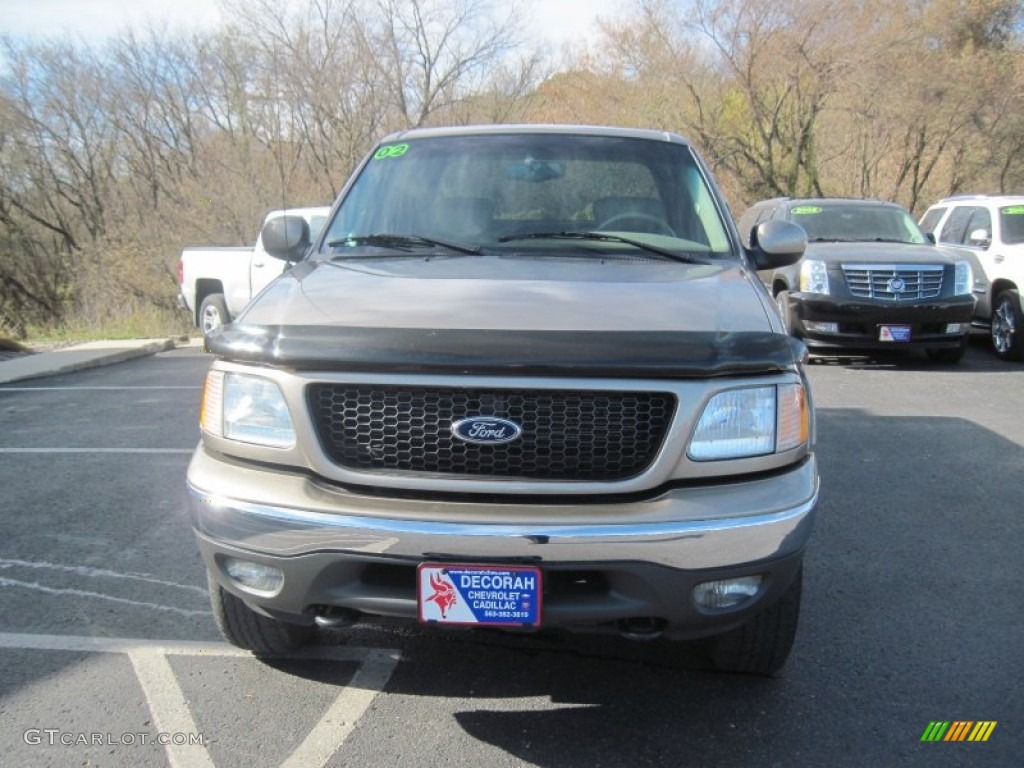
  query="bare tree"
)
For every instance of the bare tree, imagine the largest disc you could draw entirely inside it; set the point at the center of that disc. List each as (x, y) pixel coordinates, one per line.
(113, 158)
(58, 171)
(433, 54)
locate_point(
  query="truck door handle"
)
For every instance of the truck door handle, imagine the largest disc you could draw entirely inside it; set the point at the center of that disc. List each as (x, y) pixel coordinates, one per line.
(257, 263)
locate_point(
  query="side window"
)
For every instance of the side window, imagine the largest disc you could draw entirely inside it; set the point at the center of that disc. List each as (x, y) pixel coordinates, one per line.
(955, 228)
(979, 228)
(1011, 224)
(931, 218)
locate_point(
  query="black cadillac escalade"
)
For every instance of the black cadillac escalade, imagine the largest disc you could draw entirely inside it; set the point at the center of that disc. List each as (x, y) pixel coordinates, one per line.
(870, 279)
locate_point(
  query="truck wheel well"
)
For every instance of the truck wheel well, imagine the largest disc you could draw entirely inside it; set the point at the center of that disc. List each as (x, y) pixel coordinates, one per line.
(204, 287)
(998, 286)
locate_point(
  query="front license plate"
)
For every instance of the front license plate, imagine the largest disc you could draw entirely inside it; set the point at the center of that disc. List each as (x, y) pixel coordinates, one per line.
(896, 333)
(479, 595)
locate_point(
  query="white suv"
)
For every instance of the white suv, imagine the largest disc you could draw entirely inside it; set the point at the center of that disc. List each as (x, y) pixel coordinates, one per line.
(992, 227)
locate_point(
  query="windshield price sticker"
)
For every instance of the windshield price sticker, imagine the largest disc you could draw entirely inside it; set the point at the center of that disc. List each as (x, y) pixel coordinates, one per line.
(805, 210)
(391, 150)
(1013, 210)
(479, 595)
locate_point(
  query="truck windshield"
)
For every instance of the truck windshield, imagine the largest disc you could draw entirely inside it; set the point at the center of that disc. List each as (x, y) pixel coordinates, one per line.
(504, 192)
(839, 222)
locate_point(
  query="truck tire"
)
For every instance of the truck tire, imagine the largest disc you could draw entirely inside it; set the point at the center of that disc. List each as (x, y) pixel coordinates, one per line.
(1007, 329)
(762, 645)
(244, 628)
(213, 313)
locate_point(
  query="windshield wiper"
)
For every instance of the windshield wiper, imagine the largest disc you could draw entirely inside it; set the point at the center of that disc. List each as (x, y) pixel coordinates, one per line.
(858, 240)
(603, 237)
(404, 242)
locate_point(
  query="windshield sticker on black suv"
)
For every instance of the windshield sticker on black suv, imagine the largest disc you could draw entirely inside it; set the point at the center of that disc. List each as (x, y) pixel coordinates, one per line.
(392, 150)
(804, 210)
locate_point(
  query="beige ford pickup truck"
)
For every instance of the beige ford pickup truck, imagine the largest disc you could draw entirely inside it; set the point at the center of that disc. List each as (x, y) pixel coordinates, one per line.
(525, 377)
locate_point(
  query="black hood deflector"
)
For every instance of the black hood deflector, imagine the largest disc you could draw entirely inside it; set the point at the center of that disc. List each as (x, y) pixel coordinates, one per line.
(623, 354)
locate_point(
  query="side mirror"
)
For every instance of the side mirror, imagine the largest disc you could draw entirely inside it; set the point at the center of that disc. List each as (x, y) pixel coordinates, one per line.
(286, 237)
(775, 244)
(981, 238)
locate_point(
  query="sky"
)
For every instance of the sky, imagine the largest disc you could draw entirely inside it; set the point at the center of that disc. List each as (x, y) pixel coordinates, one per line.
(558, 21)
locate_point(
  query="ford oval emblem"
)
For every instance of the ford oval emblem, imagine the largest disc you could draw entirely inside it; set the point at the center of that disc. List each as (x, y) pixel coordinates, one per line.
(486, 430)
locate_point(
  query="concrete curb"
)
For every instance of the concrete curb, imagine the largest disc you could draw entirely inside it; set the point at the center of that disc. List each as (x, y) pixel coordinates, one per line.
(80, 357)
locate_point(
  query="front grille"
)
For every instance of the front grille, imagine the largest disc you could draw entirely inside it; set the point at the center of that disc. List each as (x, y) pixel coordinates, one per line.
(567, 435)
(894, 282)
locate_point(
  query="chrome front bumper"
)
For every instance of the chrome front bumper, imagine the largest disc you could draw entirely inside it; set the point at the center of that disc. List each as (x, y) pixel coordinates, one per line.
(283, 514)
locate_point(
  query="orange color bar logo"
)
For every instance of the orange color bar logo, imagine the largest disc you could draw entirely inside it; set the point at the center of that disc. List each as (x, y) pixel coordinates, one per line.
(958, 730)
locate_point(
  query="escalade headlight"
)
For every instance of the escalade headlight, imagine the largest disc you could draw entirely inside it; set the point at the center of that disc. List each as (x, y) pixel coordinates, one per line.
(249, 409)
(964, 278)
(741, 423)
(814, 276)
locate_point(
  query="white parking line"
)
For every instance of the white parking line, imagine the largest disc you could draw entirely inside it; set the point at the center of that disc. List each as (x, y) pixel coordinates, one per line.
(25, 641)
(100, 389)
(341, 718)
(170, 709)
(98, 450)
(98, 573)
(168, 705)
(36, 587)
(86, 644)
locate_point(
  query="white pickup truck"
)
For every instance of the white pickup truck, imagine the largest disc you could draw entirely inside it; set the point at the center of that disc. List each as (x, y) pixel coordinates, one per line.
(216, 283)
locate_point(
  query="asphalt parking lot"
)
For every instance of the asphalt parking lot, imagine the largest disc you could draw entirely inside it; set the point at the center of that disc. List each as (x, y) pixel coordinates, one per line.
(911, 614)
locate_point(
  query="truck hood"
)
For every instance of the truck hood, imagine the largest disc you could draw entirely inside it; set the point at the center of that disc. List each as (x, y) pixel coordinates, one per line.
(523, 293)
(529, 315)
(879, 253)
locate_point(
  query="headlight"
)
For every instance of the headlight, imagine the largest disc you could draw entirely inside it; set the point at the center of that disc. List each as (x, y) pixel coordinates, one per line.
(249, 409)
(813, 276)
(964, 278)
(751, 422)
